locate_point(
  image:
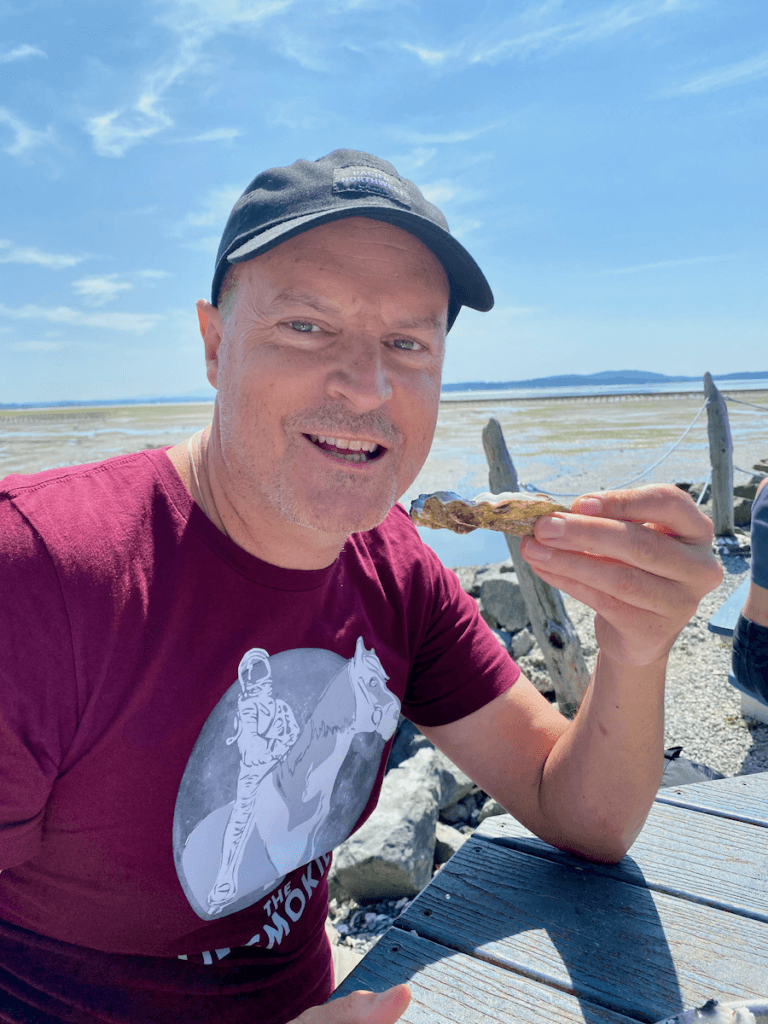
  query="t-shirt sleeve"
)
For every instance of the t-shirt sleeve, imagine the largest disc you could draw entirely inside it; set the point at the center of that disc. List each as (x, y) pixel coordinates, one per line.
(459, 666)
(36, 719)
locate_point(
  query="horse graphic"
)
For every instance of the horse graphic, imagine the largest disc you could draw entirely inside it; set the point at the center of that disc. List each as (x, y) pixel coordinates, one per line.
(288, 775)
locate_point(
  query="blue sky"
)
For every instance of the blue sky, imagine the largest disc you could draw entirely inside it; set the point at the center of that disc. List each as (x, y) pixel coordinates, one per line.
(605, 162)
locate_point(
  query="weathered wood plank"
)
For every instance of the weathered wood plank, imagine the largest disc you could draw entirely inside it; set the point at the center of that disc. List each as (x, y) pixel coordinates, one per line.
(449, 986)
(630, 949)
(725, 618)
(721, 458)
(706, 859)
(555, 634)
(742, 798)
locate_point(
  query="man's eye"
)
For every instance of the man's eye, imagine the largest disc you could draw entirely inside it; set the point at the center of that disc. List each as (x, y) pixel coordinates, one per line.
(303, 326)
(406, 344)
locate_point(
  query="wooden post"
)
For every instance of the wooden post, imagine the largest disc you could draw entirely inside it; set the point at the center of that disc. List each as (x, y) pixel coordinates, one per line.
(721, 458)
(552, 627)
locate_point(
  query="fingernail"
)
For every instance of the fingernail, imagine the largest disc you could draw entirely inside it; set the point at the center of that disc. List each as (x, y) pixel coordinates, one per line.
(590, 506)
(551, 527)
(536, 552)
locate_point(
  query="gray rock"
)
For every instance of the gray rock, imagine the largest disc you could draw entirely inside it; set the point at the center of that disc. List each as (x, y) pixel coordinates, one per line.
(393, 853)
(504, 638)
(468, 579)
(748, 490)
(408, 739)
(742, 512)
(502, 599)
(522, 643)
(456, 814)
(447, 841)
(490, 809)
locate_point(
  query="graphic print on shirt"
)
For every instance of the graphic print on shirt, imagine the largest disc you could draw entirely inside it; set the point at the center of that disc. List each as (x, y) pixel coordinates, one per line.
(280, 773)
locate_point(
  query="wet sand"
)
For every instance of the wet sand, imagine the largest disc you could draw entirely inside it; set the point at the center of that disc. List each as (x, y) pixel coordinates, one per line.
(566, 446)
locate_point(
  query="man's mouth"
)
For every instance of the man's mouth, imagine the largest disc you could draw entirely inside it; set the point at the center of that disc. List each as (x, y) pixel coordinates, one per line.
(347, 448)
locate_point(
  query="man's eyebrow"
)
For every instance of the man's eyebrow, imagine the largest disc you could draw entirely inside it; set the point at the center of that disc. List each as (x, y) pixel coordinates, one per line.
(416, 323)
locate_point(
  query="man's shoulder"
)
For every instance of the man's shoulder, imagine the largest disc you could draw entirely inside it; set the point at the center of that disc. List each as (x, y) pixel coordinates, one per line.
(74, 504)
(21, 486)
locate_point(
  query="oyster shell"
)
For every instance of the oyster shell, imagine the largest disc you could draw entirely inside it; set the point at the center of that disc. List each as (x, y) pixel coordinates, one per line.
(508, 512)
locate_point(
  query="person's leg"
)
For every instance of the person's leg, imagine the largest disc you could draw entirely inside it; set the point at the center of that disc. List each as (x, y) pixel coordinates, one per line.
(750, 638)
(750, 657)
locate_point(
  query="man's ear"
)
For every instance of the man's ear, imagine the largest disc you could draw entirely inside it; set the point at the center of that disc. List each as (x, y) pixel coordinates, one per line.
(210, 322)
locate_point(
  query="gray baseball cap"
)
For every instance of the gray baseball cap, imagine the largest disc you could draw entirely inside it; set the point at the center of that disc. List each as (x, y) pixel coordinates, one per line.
(284, 201)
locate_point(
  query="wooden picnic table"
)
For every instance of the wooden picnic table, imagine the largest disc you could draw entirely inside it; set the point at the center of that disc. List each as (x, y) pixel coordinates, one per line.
(511, 929)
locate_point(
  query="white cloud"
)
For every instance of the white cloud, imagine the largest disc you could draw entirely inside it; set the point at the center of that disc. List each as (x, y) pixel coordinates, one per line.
(440, 192)
(602, 24)
(136, 323)
(21, 53)
(152, 275)
(417, 138)
(193, 22)
(98, 291)
(37, 346)
(462, 226)
(430, 57)
(208, 244)
(664, 264)
(215, 135)
(26, 137)
(213, 210)
(537, 29)
(10, 253)
(733, 74)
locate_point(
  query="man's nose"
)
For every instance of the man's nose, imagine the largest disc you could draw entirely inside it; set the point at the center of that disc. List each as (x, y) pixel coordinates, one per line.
(360, 377)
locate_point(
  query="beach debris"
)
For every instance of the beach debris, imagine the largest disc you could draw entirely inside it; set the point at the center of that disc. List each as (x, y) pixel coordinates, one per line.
(509, 512)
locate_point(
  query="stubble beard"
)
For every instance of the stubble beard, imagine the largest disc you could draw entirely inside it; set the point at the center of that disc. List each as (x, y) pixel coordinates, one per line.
(347, 508)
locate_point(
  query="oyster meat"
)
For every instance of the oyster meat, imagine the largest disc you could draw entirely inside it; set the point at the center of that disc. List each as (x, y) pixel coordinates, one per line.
(508, 512)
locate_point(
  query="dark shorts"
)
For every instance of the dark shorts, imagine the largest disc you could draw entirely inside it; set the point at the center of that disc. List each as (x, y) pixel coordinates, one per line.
(750, 658)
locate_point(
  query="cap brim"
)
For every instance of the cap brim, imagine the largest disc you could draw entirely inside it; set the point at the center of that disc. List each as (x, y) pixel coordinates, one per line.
(467, 281)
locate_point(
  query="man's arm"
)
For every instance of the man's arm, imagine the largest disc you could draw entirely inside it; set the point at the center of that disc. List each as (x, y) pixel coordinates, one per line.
(642, 560)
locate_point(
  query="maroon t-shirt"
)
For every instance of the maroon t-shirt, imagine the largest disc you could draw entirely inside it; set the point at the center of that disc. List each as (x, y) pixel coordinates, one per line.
(186, 732)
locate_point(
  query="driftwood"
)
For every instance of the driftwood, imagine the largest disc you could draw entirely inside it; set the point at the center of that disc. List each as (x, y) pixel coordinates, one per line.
(721, 458)
(553, 629)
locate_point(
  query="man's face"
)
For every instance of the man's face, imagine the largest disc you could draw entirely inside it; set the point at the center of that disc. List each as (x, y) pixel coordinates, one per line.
(327, 363)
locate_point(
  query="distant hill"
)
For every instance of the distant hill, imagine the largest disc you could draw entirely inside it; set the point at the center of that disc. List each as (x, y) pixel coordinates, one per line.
(567, 380)
(611, 377)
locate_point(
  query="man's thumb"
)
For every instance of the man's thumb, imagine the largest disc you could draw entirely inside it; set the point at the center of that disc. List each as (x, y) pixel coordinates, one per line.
(361, 1008)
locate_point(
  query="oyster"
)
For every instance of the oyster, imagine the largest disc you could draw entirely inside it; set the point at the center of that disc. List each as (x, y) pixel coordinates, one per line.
(508, 512)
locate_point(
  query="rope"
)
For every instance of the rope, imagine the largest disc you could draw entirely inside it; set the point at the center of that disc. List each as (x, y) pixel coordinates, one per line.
(749, 472)
(645, 472)
(752, 405)
(704, 489)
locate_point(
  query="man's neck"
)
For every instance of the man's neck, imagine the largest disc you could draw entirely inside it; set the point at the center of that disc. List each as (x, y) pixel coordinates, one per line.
(286, 545)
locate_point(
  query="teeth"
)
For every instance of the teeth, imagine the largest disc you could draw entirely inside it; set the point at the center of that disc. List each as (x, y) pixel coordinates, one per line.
(343, 442)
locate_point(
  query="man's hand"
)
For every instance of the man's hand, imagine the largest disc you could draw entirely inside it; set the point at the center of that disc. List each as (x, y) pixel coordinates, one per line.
(641, 559)
(361, 1008)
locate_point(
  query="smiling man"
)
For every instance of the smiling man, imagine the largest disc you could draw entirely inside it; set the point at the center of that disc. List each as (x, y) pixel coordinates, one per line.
(205, 650)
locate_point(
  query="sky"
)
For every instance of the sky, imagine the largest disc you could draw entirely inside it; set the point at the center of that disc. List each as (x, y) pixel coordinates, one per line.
(604, 162)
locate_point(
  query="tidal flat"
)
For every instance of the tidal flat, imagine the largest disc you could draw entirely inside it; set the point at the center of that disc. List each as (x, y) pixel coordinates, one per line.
(565, 446)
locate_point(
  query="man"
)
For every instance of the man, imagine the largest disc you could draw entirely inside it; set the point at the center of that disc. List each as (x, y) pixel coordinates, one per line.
(135, 588)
